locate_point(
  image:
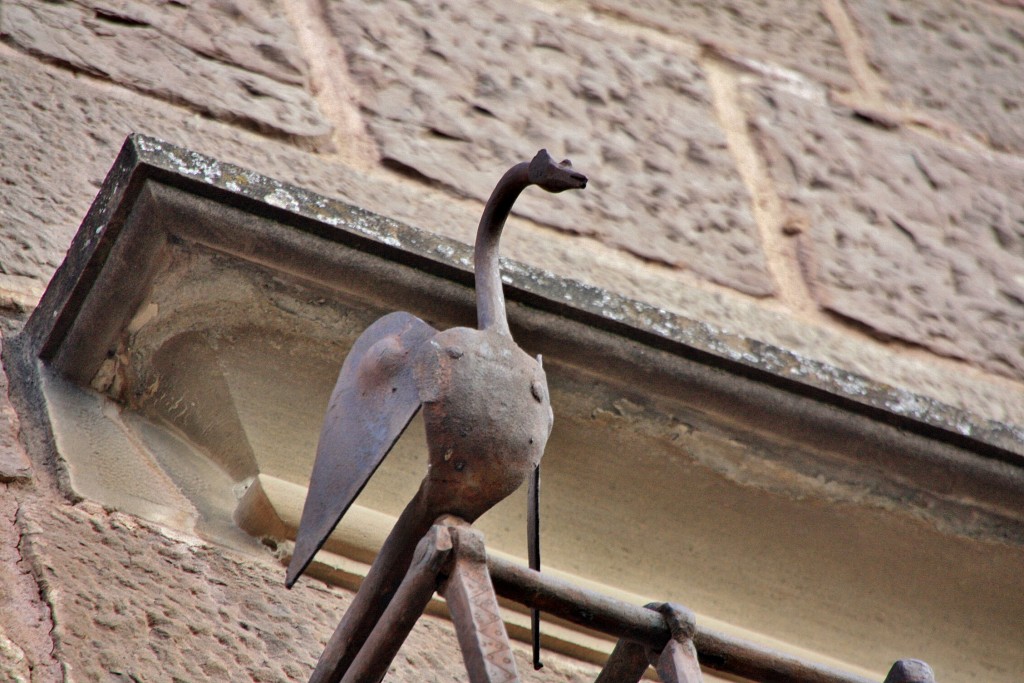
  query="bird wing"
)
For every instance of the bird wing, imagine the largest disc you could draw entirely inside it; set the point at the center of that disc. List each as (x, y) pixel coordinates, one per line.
(373, 402)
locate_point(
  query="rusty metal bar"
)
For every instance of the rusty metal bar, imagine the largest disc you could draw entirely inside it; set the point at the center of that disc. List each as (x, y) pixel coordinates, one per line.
(739, 657)
(626, 664)
(716, 650)
(578, 605)
(376, 654)
(678, 663)
(475, 612)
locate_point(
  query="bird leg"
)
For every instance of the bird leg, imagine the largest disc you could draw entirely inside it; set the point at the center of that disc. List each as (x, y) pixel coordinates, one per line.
(627, 663)
(405, 608)
(474, 608)
(375, 593)
(453, 553)
(677, 661)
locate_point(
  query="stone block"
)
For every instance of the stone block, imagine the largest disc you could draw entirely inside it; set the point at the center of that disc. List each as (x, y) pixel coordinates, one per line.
(131, 601)
(14, 462)
(958, 61)
(455, 92)
(792, 33)
(26, 646)
(905, 236)
(60, 134)
(18, 293)
(234, 59)
(13, 663)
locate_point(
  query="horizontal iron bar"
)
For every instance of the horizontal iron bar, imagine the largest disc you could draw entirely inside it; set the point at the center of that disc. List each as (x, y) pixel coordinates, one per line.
(578, 605)
(616, 618)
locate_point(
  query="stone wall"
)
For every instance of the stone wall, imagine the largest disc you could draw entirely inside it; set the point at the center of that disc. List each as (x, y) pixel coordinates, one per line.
(116, 599)
(835, 178)
(840, 178)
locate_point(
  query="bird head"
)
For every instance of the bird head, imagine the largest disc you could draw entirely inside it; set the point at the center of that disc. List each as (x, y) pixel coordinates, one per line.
(555, 176)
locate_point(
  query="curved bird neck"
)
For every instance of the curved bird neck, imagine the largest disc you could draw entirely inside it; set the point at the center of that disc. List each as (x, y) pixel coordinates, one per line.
(490, 300)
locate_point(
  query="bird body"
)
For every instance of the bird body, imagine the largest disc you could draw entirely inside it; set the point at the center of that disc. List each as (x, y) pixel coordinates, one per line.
(487, 417)
(486, 411)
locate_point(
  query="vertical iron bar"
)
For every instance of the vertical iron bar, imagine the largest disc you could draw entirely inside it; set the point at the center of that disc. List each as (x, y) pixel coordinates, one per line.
(533, 551)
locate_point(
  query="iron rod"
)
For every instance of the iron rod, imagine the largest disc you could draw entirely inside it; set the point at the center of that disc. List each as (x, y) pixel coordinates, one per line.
(716, 650)
(578, 605)
(626, 664)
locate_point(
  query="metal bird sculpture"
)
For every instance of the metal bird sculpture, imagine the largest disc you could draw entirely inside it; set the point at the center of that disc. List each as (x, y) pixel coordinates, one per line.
(486, 411)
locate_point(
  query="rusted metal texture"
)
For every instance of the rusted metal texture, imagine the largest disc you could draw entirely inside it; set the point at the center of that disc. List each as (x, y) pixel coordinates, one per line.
(486, 410)
(677, 661)
(910, 671)
(627, 663)
(474, 609)
(373, 660)
(533, 551)
(375, 398)
(577, 605)
(663, 635)
(637, 624)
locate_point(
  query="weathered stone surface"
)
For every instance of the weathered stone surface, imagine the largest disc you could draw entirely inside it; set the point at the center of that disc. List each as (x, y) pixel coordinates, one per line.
(57, 140)
(234, 59)
(908, 237)
(13, 665)
(14, 463)
(132, 602)
(793, 33)
(26, 647)
(60, 134)
(457, 91)
(961, 61)
(18, 293)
